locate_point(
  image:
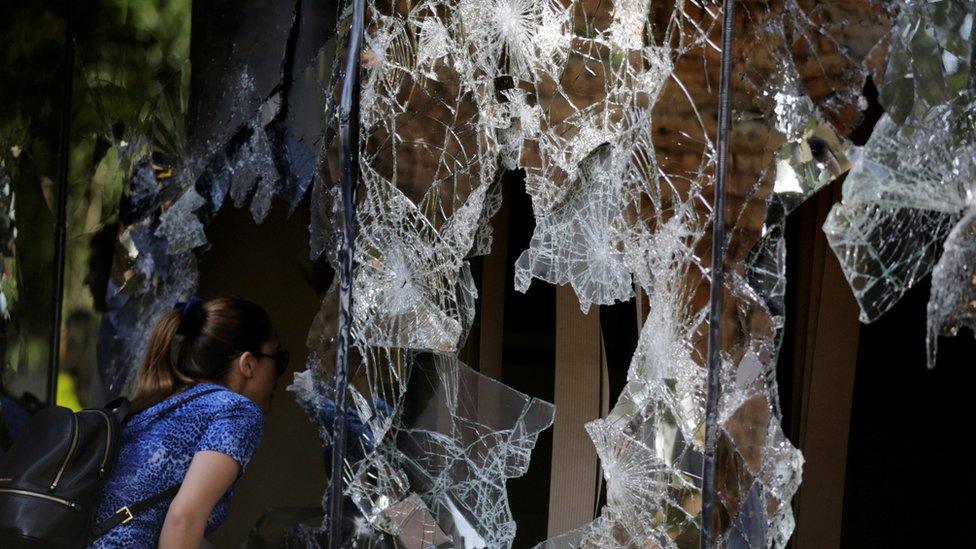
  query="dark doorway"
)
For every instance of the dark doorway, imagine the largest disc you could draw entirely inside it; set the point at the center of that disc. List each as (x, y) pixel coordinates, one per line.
(911, 470)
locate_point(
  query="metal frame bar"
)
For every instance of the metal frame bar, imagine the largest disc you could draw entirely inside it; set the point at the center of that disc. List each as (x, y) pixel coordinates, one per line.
(707, 539)
(61, 219)
(349, 162)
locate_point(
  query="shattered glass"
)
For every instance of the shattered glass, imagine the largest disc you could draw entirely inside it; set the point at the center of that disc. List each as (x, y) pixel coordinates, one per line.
(460, 446)
(440, 442)
(608, 108)
(907, 203)
(235, 142)
(892, 189)
(787, 142)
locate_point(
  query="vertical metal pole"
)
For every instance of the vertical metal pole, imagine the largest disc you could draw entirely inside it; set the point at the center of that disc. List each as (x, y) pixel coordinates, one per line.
(61, 220)
(718, 274)
(349, 149)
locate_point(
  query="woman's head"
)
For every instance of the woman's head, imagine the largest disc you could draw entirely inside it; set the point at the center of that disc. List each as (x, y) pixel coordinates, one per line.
(224, 340)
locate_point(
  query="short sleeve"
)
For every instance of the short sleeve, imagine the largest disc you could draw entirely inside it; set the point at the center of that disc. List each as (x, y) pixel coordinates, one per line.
(234, 430)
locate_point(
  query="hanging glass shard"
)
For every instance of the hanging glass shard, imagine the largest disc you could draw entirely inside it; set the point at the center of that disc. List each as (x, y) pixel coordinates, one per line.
(893, 188)
(442, 442)
(907, 200)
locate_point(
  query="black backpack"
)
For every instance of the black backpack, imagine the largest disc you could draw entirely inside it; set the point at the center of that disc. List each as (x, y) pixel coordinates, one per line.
(51, 478)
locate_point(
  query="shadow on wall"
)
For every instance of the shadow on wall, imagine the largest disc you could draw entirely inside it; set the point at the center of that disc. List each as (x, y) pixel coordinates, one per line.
(266, 263)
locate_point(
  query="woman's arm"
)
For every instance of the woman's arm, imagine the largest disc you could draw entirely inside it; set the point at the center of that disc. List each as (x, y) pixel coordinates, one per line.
(208, 478)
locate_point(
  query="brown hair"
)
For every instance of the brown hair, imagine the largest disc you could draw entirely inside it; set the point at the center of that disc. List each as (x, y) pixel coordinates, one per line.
(196, 343)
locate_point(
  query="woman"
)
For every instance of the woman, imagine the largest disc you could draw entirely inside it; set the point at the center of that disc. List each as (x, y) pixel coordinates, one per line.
(200, 397)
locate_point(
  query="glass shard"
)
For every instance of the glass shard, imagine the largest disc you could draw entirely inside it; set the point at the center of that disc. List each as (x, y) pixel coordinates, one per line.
(908, 198)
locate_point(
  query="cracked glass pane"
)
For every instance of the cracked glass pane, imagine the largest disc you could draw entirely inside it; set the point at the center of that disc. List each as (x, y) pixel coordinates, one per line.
(607, 108)
(893, 188)
(796, 93)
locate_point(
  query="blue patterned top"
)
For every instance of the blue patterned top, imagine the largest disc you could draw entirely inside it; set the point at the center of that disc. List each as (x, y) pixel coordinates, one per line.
(156, 453)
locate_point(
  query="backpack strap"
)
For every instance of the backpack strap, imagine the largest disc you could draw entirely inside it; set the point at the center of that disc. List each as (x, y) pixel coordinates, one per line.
(124, 410)
(127, 513)
(176, 405)
(121, 407)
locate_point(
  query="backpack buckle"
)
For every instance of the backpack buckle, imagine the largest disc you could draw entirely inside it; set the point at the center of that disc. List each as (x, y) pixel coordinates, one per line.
(128, 515)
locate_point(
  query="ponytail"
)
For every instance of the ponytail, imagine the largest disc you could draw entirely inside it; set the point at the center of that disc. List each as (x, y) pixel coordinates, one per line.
(159, 376)
(197, 341)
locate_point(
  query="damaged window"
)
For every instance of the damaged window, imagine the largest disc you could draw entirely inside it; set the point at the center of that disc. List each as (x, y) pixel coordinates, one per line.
(609, 110)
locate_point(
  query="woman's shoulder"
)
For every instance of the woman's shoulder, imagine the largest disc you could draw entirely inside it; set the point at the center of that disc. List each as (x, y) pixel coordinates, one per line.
(234, 425)
(218, 398)
(200, 401)
(222, 413)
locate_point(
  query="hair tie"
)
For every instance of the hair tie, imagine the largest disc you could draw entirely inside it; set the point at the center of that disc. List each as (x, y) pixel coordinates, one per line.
(192, 317)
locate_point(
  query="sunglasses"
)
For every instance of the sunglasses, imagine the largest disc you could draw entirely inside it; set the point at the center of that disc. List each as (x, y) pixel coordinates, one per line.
(280, 357)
